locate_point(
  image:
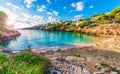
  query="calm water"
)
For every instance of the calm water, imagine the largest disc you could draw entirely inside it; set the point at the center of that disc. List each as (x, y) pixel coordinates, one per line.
(44, 39)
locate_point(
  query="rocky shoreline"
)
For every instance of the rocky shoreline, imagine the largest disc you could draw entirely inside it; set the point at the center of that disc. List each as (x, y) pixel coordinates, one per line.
(9, 36)
(99, 30)
(87, 59)
(84, 60)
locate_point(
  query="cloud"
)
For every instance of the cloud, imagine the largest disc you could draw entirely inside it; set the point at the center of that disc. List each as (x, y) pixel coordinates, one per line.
(49, 13)
(73, 5)
(41, 8)
(20, 18)
(91, 6)
(71, 11)
(79, 6)
(64, 7)
(55, 13)
(29, 3)
(49, 1)
(51, 19)
(15, 7)
(78, 16)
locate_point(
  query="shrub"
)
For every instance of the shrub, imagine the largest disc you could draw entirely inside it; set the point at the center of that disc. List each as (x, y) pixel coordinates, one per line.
(104, 64)
(82, 25)
(93, 25)
(24, 63)
(77, 55)
(2, 14)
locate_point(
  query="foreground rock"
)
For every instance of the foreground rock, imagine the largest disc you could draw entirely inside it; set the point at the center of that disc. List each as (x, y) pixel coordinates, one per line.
(6, 32)
(83, 60)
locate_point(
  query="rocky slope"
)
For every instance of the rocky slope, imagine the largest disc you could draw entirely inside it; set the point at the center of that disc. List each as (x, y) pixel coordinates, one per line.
(101, 30)
(82, 60)
(6, 32)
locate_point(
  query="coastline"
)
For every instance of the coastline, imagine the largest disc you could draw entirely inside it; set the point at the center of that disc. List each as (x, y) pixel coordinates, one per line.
(10, 36)
(106, 43)
(84, 58)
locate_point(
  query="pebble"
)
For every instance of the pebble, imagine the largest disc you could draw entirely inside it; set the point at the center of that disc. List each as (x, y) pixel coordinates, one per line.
(50, 52)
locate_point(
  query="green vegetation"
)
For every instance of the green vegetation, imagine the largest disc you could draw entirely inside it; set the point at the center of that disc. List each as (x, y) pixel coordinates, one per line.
(24, 63)
(2, 14)
(116, 70)
(104, 18)
(77, 55)
(104, 64)
(2, 28)
(5, 30)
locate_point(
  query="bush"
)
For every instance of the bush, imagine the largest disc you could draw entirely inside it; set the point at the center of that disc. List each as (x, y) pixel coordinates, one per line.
(93, 25)
(82, 25)
(2, 14)
(24, 63)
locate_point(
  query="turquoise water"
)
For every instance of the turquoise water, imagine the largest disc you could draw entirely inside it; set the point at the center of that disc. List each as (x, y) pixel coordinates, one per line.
(41, 39)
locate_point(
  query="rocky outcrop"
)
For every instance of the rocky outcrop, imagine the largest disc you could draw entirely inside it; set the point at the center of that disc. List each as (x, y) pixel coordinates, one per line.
(6, 32)
(99, 30)
(82, 60)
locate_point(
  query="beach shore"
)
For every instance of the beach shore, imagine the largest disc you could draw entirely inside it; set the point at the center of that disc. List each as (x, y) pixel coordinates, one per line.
(99, 57)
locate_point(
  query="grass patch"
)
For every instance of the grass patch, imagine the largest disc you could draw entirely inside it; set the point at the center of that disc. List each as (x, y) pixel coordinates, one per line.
(24, 63)
(77, 55)
(104, 64)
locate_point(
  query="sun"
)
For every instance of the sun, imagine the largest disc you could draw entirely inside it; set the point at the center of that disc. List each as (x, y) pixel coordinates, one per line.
(9, 22)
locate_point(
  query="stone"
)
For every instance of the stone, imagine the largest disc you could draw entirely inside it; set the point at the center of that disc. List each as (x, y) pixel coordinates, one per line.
(39, 51)
(98, 73)
(60, 59)
(91, 48)
(7, 51)
(59, 50)
(15, 52)
(50, 52)
(85, 71)
(106, 69)
(113, 72)
(55, 71)
(98, 66)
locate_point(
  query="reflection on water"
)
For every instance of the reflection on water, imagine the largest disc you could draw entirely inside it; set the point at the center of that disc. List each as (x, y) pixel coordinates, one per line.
(38, 38)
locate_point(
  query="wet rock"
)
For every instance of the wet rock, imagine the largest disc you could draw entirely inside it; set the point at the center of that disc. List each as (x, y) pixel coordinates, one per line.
(38, 51)
(7, 51)
(55, 71)
(59, 50)
(50, 52)
(60, 59)
(15, 52)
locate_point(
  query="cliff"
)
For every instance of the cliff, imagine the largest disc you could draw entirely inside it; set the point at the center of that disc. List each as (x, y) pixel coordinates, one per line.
(6, 32)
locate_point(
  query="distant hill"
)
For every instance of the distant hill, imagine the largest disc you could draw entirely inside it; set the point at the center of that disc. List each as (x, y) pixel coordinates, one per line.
(6, 32)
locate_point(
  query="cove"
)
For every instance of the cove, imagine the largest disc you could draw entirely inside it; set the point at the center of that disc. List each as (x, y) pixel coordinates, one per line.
(46, 39)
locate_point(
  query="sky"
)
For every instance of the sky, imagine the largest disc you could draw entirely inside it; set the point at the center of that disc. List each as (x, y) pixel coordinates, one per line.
(27, 13)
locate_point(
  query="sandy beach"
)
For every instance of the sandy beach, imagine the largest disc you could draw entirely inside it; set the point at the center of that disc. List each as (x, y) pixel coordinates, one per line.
(86, 58)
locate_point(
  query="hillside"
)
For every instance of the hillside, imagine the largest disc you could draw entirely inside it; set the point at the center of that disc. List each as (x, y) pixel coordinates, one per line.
(6, 32)
(105, 24)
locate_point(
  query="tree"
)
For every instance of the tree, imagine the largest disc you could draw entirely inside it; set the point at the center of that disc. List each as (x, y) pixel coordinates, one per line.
(116, 14)
(101, 18)
(2, 14)
(95, 15)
